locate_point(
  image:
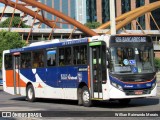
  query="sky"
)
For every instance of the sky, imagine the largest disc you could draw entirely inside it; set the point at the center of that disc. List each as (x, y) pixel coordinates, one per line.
(2, 5)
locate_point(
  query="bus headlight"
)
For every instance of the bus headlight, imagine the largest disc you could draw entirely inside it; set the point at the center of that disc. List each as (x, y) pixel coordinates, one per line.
(117, 86)
(153, 85)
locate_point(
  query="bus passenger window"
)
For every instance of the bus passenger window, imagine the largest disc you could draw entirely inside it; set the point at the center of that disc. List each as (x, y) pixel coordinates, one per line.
(68, 58)
(8, 61)
(80, 54)
(51, 58)
(26, 60)
(38, 59)
(61, 57)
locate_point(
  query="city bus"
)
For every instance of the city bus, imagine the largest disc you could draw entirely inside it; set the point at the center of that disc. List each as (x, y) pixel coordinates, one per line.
(106, 67)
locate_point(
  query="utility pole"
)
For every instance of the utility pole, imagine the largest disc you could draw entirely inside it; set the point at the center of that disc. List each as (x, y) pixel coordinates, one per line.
(112, 17)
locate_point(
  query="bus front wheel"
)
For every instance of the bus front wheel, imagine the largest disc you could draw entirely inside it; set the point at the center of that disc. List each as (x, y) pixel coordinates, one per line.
(86, 99)
(30, 93)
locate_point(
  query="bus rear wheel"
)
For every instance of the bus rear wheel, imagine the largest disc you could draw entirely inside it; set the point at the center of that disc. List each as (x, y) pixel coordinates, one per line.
(86, 99)
(30, 94)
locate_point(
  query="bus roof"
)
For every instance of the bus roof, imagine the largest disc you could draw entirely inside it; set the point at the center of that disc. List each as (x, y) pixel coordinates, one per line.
(49, 44)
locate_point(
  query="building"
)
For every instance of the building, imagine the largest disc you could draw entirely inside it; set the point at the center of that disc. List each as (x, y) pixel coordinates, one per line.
(94, 11)
(99, 11)
(27, 19)
(76, 9)
(8, 13)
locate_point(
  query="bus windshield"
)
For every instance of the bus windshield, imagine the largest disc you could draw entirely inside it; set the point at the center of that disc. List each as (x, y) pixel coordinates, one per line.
(131, 60)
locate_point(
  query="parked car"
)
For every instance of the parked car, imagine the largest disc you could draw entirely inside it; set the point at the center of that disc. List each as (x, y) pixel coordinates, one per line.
(1, 81)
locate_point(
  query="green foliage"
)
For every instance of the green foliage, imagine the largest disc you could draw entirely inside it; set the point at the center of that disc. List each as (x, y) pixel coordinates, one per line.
(157, 63)
(9, 40)
(15, 23)
(92, 25)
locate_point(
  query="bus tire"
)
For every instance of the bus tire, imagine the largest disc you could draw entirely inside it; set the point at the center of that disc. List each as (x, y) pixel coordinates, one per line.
(30, 94)
(124, 101)
(79, 96)
(86, 98)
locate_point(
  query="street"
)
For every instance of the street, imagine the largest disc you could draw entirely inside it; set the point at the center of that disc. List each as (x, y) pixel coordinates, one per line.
(18, 103)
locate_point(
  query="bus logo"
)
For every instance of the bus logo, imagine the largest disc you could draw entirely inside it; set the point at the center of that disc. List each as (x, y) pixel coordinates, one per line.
(68, 77)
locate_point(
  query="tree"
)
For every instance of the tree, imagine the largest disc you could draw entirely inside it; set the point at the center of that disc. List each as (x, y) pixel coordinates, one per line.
(15, 23)
(9, 40)
(92, 25)
(157, 63)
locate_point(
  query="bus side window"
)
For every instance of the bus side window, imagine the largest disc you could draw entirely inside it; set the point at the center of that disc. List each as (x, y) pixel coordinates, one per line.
(68, 58)
(80, 54)
(61, 57)
(8, 61)
(51, 58)
(83, 56)
(75, 55)
(38, 59)
(26, 60)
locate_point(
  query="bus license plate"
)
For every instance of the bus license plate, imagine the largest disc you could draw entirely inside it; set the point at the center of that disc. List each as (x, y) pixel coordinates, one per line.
(138, 92)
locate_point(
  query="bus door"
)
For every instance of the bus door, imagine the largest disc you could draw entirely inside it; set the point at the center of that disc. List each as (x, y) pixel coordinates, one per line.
(16, 67)
(97, 69)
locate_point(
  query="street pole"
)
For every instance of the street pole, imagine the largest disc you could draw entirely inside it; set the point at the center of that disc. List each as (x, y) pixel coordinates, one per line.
(112, 17)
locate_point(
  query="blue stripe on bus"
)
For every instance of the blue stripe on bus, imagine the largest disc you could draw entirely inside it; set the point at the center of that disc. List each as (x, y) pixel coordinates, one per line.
(59, 77)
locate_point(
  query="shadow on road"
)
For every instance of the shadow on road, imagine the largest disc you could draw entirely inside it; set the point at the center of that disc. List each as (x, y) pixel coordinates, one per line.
(99, 104)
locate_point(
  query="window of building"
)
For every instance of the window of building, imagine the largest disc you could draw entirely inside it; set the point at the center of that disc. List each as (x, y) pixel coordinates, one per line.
(126, 6)
(141, 19)
(91, 10)
(8, 61)
(38, 59)
(105, 11)
(26, 60)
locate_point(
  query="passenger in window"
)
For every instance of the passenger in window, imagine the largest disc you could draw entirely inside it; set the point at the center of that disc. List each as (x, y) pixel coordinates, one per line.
(145, 57)
(36, 63)
(24, 64)
(145, 61)
(61, 61)
(119, 56)
(41, 59)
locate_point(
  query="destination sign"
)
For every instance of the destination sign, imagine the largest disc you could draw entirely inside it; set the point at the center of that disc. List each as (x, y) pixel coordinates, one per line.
(130, 39)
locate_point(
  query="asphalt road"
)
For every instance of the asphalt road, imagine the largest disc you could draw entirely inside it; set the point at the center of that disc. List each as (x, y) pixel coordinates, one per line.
(69, 108)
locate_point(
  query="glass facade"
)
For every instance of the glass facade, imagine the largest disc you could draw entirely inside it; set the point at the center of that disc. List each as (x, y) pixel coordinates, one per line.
(57, 6)
(91, 10)
(105, 11)
(141, 19)
(72, 9)
(126, 6)
(65, 10)
(156, 16)
(49, 3)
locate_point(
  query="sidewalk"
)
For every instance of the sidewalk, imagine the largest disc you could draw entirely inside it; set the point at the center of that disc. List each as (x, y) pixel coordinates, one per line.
(1, 87)
(158, 79)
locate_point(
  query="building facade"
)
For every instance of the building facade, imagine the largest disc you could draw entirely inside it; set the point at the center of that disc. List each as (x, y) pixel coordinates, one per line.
(96, 11)
(76, 9)
(8, 13)
(99, 11)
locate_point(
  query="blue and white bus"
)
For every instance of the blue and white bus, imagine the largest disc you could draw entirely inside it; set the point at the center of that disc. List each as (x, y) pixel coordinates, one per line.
(105, 67)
